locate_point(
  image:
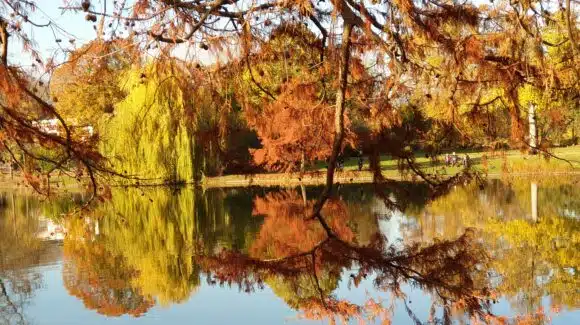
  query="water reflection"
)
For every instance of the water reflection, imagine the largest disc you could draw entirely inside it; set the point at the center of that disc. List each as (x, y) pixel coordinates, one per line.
(466, 250)
(23, 234)
(143, 250)
(532, 232)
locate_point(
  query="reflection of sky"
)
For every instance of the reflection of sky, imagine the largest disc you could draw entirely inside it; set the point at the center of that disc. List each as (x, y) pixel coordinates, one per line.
(209, 306)
(391, 228)
(212, 305)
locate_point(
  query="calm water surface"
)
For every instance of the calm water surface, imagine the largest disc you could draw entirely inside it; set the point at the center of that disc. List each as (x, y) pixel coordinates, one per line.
(506, 251)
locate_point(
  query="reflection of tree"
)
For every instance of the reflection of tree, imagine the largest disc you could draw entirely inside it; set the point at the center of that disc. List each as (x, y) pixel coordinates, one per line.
(303, 288)
(468, 206)
(154, 232)
(535, 258)
(443, 269)
(14, 296)
(538, 259)
(144, 247)
(99, 278)
(225, 220)
(302, 261)
(148, 238)
(19, 250)
(287, 231)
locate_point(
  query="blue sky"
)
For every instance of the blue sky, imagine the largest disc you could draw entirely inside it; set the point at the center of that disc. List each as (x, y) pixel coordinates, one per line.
(45, 37)
(72, 25)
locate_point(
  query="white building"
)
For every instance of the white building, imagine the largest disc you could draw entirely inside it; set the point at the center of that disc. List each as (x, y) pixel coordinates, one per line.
(52, 126)
(49, 230)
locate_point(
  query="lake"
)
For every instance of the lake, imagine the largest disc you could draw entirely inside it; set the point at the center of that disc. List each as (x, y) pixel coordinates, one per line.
(505, 251)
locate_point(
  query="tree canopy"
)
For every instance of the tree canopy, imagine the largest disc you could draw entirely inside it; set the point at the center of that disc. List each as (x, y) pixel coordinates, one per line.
(308, 78)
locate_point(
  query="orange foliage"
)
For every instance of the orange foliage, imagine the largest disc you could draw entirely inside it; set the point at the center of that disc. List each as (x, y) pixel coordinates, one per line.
(297, 123)
(332, 310)
(287, 229)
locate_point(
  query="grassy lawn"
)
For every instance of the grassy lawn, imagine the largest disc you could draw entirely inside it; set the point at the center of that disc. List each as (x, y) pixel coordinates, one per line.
(512, 161)
(498, 163)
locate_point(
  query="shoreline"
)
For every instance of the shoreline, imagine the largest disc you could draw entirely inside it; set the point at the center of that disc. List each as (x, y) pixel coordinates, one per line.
(280, 180)
(347, 177)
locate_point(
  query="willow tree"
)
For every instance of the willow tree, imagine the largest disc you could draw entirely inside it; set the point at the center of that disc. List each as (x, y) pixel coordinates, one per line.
(152, 131)
(181, 123)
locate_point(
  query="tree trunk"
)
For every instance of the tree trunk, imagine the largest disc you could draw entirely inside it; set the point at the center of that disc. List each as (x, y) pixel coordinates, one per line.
(4, 40)
(534, 199)
(338, 118)
(533, 142)
(303, 191)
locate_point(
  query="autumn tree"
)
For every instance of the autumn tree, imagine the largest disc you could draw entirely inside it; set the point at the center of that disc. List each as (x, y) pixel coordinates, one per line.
(389, 38)
(87, 86)
(523, 63)
(481, 46)
(286, 102)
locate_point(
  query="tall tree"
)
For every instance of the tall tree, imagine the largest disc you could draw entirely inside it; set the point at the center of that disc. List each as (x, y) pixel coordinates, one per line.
(87, 86)
(152, 131)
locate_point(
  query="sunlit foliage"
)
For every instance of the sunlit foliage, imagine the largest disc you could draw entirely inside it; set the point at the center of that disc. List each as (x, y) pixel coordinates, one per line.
(87, 87)
(151, 133)
(533, 258)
